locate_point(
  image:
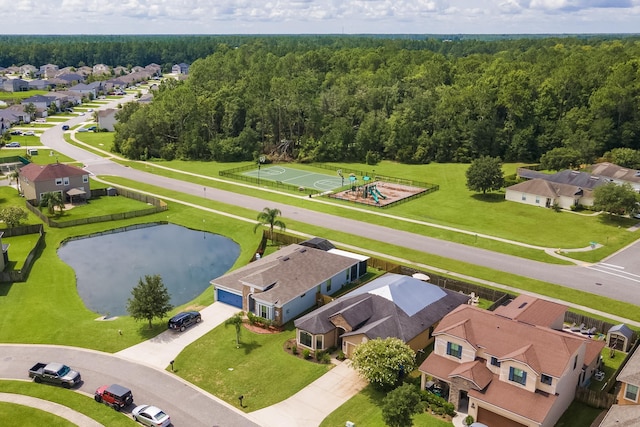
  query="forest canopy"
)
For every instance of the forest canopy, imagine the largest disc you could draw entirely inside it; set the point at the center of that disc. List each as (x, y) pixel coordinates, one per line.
(332, 98)
(390, 102)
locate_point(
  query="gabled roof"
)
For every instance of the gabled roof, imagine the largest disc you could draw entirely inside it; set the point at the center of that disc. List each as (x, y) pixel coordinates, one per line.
(609, 170)
(36, 173)
(286, 274)
(476, 372)
(622, 329)
(380, 309)
(544, 188)
(630, 374)
(532, 310)
(622, 416)
(504, 338)
(567, 176)
(533, 406)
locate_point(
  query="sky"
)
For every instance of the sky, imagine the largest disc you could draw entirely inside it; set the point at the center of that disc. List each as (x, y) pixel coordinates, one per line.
(319, 16)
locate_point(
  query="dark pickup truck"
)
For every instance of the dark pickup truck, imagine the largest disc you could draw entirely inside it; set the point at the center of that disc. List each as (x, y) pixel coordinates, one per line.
(55, 373)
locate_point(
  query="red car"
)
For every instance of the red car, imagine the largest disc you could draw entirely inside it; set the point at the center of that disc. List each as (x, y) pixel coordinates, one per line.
(115, 395)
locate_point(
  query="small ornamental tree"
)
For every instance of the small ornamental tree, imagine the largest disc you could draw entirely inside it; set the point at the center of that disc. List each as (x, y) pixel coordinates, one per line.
(236, 322)
(12, 216)
(384, 362)
(400, 405)
(485, 174)
(616, 199)
(150, 299)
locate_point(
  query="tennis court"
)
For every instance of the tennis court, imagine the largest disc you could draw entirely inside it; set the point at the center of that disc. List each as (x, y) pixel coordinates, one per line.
(301, 178)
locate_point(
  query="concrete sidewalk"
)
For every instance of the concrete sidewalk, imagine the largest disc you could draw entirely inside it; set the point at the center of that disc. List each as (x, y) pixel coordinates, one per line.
(160, 350)
(44, 405)
(315, 402)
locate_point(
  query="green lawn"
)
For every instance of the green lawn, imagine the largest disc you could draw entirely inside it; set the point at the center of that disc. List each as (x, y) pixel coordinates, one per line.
(260, 369)
(99, 140)
(364, 409)
(20, 95)
(71, 399)
(50, 290)
(98, 206)
(578, 415)
(29, 417)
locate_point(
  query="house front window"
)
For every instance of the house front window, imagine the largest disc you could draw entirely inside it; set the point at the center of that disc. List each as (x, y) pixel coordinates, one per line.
(538, 200)
(85, 178)
(524, 197)
(306, 339)
(546, 379)
(328, 285)
(495, 362)
(66, 180)
(58, 181)
(631, 393)
(264, 311)
(319, 342)
(454, 350)
(517, 376)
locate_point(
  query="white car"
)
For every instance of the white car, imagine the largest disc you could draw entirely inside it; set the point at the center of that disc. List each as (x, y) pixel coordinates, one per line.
(90, 110)
(29, 133)
(151, 416)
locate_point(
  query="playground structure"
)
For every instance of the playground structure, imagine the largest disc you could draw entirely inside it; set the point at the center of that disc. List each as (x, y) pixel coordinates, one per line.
(377, 192)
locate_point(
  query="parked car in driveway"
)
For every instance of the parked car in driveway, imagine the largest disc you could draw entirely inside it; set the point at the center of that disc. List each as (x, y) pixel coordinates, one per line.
(83, 130)
(16, 132)
(65, 127)
(13, 145)
(182, 321)
(151, 416)
(115, 395)
(29, 133)
(92, 128)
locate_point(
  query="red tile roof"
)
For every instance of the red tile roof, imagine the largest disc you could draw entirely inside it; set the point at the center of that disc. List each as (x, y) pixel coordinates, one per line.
(34, 172)
(512, 398)
(508, 339)
(532, 310)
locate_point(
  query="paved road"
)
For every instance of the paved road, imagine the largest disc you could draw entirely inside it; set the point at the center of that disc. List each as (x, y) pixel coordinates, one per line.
(613, 282)
(187, 405)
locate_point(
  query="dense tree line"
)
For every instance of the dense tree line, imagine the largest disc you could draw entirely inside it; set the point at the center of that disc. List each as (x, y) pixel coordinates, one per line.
(395, 99)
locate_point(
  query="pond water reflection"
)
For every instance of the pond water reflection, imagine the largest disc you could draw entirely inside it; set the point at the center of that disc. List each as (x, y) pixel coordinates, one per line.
(109, 265)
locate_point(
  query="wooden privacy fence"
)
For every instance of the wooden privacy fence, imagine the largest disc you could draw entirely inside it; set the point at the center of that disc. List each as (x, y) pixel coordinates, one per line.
(22, 274)
(157, 206)
(595, 399)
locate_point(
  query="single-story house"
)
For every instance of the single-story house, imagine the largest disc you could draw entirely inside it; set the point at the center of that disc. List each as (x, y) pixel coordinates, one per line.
(70, 181)
(285, 284)
(617, 174)
(393, 305)
(509, 369)
(540, 192)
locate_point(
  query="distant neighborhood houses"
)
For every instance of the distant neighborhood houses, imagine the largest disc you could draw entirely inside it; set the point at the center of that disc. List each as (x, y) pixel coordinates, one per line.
(568, 188)
(52, 77)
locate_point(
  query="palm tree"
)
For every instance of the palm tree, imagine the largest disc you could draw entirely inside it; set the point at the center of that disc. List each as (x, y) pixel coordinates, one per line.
(270, 217)
(16, 175)
(52, 200)
(236, 321)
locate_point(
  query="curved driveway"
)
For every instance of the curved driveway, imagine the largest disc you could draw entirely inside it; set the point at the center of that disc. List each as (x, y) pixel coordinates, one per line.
(188, 405)
(617, 281)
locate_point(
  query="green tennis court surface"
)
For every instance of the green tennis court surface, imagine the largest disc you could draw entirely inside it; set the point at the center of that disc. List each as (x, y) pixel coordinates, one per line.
(319, 181)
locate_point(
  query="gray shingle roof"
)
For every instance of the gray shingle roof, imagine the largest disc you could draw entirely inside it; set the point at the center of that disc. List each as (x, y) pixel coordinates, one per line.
(382, 309)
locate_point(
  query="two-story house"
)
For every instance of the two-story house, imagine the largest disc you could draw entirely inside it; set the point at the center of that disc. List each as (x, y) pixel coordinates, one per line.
(511, 368)
(69, 181)
(180, 68)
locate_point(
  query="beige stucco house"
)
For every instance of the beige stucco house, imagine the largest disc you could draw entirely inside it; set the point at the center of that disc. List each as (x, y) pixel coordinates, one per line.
(393, 305)
(510, 368)
(70, 181)
(540, 192)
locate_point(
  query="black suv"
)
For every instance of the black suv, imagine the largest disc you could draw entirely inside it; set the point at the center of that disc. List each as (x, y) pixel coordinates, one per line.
(183, 320)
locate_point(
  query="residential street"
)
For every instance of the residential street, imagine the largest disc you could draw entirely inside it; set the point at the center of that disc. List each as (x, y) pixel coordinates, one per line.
(621, 282)
(188, 405)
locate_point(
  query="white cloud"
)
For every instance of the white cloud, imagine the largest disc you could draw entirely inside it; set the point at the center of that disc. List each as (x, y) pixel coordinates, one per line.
(317, 16)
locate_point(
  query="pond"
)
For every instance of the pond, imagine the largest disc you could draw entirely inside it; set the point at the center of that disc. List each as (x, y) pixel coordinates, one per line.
(110, 264)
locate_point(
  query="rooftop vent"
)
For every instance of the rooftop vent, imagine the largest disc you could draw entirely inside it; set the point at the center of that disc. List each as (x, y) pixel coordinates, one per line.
(522, 305)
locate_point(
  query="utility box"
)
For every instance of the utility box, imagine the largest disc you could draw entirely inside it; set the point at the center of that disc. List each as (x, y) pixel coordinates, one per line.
(32, 151)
